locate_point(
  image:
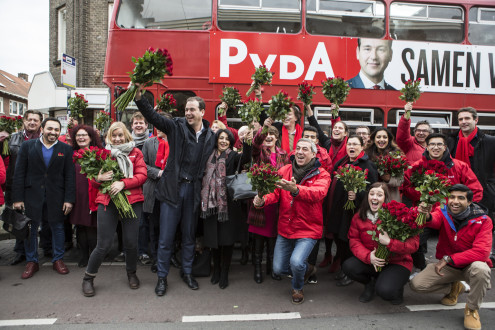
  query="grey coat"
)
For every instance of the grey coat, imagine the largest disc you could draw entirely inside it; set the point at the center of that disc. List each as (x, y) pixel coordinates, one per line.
(150, 149)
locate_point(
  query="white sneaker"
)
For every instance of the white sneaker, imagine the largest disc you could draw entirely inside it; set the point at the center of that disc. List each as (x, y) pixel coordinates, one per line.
(467, 288)
(412, 275)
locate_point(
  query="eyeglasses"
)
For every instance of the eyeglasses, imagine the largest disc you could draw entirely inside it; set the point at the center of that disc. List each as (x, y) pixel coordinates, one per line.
(422, 130)
(436, 145)
(362, 134)
(81, 135)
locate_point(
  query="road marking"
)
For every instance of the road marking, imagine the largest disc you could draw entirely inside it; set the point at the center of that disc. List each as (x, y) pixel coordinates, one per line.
(10, 323)
(241, 317)
(438, 307)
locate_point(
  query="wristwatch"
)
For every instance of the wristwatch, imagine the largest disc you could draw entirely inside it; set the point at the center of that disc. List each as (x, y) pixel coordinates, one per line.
(447, 259)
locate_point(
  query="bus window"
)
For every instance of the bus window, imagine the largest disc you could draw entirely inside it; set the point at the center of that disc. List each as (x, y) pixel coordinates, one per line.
(126, 116)
(424, 22)
(170, 14)
(481, 26)
(348, 18)
(276, 16)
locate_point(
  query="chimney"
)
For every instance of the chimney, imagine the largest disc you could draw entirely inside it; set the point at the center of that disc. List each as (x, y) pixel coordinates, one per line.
(23, 76)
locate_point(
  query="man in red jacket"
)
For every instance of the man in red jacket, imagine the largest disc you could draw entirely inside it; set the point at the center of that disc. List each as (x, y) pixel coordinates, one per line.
(300, 193)
(463, 250)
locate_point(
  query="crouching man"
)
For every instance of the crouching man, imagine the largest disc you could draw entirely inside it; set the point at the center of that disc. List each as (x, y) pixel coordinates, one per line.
(300, 193)
(463, 251)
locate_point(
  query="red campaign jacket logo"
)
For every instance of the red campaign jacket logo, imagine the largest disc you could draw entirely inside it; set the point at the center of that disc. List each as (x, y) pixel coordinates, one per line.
(60, 154)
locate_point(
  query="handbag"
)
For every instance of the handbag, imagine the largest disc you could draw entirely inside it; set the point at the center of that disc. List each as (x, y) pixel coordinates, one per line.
(201, 266)
(16, 223)
(239, 186)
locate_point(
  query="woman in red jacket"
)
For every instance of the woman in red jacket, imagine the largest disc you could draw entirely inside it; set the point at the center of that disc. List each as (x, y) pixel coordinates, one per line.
(119, 142)
(389, 283)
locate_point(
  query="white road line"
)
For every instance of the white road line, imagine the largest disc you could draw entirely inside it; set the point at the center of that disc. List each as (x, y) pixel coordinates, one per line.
(438, 307)
(241, 317)
(10, 323)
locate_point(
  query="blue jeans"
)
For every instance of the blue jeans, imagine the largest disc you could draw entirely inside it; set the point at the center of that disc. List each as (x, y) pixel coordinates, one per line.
(291, 256)
(58, 239)
(170, 217)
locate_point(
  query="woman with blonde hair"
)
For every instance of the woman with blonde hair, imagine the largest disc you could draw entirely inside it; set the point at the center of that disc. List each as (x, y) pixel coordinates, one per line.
(130, 159)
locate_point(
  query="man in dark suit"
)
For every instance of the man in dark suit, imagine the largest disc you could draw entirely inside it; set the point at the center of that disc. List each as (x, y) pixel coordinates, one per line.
(374, 55)
(44, 186)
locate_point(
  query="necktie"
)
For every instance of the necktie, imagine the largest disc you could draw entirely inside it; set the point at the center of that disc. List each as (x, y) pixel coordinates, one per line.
(376, 87)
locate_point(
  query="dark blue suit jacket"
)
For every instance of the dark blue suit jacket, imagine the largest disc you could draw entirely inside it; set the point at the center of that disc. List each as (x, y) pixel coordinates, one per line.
(356, 82)
(34, 183)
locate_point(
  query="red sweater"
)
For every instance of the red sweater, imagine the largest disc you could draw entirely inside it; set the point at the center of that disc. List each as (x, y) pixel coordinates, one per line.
(362, 245)
(134, 184)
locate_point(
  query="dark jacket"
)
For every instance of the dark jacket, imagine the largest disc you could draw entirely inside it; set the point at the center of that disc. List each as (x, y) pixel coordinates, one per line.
(482, 164)
(167, 189)
(35, 184)
(15, 142)
(356, 82)
(339, 219)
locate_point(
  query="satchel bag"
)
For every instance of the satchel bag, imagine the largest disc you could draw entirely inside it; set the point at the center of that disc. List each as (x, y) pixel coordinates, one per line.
(239, 186)
(16, 223)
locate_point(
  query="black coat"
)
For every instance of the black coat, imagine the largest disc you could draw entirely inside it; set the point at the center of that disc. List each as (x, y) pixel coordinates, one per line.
(482, 164)
(339, 220)
(167, 189)
(34, 183)
(225, 233)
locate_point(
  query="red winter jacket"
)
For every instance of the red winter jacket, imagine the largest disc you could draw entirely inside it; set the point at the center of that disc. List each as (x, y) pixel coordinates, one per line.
(408, 143)
(362, 245)
(134, 184)
(322, 156)
(471, 242)
(301, 216)
(458, 172)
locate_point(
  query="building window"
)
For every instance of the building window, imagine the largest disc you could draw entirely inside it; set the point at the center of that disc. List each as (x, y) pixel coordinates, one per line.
(62, 31)
(13, 108)
(1, 105)
(20, 109)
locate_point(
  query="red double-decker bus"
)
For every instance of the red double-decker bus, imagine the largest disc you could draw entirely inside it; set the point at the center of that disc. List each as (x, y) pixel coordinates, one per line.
(450, 45)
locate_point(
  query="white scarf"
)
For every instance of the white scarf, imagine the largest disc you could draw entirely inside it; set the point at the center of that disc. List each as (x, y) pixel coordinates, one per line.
(373, 217)
(120, 153)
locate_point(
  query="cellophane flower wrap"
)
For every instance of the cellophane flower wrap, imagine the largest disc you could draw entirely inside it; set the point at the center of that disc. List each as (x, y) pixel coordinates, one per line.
(77, 105)
(431, 180)
(393, 163)
(167, 103)
(411, 91)
(354, 179)
(399, 222)
(261, 76)
(9, 125)
(336, 90)
(305, 92)
(149, 69)
(92, 160)
(263, 178)
(103, 121)
(231, 96)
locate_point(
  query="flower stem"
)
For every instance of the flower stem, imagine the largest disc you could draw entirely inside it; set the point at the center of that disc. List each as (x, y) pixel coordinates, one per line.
(383, 253)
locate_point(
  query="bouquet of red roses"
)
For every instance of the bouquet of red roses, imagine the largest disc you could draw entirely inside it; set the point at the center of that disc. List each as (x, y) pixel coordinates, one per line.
(231, 96)
(103, 121)
(411, 91)
(431, 180)
(77, 105)
(250, 111)
(263, 178)
(280, 105)
(399, 222)
(167, 103)
(150, 68)
(305, 93)
(393, 163)
(94, 159)
(261, 76)
(354, 179)
(335, 90)
(9, 125)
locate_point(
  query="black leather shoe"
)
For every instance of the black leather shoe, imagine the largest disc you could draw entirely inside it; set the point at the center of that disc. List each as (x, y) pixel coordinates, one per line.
(190, 281)
(161, 286)
(369, 292)
(345, 281)
(18, 259)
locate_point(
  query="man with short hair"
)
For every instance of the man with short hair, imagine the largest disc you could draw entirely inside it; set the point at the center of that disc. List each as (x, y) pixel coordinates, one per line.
(412, 146)
(44, 186)
(374, 56)
(191, 142)
(311, 133)
(300, 194)
(463, 248)
(139, 126)
(32, 125)
(364, 132)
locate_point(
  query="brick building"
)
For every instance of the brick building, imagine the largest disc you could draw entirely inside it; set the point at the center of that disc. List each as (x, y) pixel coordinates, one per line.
(13, 93)
(79, 28)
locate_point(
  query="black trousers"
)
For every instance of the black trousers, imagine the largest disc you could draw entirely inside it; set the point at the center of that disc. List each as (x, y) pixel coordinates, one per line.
(389, 282)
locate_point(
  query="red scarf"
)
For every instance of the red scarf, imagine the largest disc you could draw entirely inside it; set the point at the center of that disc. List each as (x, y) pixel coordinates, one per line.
(286, 140)
(337, 150)
(161, 153)
(464, 147)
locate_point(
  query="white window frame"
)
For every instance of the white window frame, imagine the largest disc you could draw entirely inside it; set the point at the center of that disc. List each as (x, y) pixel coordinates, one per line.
(1, 105)
(61, 32)
(374, 13)
(324, 116)
(11, 107)
(417, 113)
(427, 17)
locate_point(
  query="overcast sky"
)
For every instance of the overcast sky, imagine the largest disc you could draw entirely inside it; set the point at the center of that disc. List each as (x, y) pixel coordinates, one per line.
(24, 36)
